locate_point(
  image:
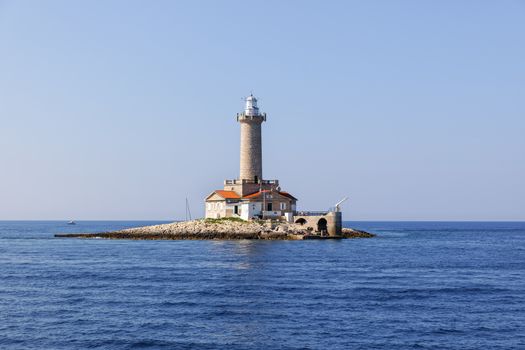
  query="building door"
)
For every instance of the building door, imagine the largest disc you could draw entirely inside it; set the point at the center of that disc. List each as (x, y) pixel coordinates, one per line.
(322, 225)
(236, 210)
(269, 207)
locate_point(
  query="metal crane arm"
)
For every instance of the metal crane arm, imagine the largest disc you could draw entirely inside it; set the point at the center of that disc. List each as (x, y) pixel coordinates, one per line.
(340, 202)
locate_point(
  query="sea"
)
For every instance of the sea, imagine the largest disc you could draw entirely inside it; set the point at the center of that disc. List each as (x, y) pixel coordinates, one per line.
(417, 285)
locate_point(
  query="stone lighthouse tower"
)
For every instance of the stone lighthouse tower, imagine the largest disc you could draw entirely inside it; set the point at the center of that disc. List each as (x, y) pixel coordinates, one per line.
(251, 148)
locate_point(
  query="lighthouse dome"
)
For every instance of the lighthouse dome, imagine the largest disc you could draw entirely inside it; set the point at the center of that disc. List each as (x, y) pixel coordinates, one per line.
(251, 108)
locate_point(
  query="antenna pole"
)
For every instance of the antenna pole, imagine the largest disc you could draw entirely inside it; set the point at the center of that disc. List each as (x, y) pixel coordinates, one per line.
(264, 202)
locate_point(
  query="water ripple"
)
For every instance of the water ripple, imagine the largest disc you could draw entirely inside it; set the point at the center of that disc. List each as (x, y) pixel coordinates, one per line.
(417, 286)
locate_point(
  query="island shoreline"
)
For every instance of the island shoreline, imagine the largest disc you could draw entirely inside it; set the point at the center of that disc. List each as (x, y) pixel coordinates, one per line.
(225, 229)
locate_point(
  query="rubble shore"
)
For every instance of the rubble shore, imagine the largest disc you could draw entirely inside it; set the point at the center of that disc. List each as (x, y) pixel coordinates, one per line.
(218, 229)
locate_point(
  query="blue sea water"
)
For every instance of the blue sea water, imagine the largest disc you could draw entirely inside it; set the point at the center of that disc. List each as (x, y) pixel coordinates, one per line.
(418, 285)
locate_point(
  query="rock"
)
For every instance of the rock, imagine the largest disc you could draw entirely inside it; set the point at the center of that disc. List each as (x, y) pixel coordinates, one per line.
(352, 233)
(226, 228)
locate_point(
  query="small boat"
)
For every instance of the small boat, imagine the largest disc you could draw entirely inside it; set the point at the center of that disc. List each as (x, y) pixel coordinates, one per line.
(71, 223)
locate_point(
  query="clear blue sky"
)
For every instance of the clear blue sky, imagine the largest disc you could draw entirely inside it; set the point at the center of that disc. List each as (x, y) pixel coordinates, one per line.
(121, 109)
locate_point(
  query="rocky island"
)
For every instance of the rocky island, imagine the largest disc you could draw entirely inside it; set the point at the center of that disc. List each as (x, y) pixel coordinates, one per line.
(220, 229)
(247, 207)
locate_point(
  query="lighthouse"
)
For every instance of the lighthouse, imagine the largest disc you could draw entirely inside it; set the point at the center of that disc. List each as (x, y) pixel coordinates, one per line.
(250, 196)
(251, 148)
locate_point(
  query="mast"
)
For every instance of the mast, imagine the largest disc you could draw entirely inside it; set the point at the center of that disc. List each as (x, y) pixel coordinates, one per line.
(188, 212)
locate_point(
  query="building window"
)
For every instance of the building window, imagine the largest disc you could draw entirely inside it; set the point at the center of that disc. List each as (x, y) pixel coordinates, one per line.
(283, 205)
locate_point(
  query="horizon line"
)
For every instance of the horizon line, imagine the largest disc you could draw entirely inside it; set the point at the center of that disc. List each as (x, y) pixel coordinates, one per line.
(179, 220)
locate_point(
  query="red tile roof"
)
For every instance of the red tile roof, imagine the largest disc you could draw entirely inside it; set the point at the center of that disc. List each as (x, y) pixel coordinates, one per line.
(254, 195)
(228, 194)
(286, 194)
(257, 194)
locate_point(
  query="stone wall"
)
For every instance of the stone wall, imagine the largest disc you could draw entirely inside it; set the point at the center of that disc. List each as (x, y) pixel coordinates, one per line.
(334, 223)
(246, 188)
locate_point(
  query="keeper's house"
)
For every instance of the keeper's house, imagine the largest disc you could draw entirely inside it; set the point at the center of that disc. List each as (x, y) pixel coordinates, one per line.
(261, 204)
